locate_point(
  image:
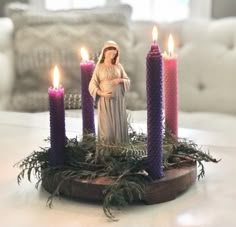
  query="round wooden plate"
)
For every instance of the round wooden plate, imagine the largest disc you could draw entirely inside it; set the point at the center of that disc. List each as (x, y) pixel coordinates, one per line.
(175, 181)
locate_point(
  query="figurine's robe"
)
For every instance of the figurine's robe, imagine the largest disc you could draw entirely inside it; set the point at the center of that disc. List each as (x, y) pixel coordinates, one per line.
(112, 117)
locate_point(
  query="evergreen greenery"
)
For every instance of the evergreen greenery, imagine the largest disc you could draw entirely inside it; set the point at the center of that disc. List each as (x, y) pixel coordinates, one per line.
(126, 162)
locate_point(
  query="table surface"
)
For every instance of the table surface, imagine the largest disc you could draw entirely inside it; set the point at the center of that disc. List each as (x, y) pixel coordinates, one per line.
(209, 202)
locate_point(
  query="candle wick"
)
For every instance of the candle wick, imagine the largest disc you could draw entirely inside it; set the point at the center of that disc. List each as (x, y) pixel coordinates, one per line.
(57, 87)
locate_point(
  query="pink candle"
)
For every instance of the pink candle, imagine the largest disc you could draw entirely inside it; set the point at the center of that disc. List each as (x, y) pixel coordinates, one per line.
(170, 81)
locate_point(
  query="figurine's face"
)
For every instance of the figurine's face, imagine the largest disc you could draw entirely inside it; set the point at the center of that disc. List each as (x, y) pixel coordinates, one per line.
(110, 54)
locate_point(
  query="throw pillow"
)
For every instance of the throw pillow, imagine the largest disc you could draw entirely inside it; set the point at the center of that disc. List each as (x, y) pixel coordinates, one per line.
(43, 39)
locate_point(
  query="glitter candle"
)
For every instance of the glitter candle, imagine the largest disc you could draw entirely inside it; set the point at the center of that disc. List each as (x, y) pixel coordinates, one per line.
(170, 81)
(87, 67)
(154, 109)
(57, 122)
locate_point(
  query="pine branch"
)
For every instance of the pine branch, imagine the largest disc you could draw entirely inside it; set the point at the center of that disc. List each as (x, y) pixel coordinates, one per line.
(127, 162)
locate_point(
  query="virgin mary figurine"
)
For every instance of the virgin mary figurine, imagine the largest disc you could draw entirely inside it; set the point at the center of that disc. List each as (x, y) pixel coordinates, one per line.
(108, 86)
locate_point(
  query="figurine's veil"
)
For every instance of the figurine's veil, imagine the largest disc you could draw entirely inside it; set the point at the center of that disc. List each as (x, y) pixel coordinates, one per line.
(107, 44)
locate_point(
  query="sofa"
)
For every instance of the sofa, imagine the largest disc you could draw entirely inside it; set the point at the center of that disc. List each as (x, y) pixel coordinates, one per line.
(31, 42)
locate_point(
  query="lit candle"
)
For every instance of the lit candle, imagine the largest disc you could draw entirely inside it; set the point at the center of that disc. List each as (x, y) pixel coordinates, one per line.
(87, 67)
(170, 81)
(57, 121)
(154, 108)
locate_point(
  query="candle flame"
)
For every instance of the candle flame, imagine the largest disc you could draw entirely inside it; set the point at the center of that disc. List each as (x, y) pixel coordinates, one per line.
(154, 34)
(171, 45)
(84, 54)
(56, 77)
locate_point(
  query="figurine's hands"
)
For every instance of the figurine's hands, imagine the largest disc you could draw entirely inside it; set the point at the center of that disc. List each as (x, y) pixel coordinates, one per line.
(116, 81)
(104, 94)
(107, 94)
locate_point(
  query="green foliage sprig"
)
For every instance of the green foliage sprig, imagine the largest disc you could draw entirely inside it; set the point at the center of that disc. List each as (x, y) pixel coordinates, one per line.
(126, 162)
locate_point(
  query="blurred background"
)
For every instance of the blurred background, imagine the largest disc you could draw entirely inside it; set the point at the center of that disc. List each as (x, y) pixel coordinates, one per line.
(160, 10)
(36, 35)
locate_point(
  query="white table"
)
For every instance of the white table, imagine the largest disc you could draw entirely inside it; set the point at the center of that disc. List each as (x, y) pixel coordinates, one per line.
(210, 202)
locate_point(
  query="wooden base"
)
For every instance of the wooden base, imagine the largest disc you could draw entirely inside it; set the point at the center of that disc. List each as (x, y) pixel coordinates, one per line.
(174, 182)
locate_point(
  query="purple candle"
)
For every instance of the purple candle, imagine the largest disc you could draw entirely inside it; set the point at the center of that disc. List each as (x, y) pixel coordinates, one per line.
(87, 67)
(57, 122)
(154, 109)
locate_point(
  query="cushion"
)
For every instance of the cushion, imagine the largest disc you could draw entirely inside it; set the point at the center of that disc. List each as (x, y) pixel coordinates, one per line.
(43, 39)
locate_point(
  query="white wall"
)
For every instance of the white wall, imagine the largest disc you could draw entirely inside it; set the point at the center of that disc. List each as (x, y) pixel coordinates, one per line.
(200, 8)
(223, 8)
(212, 8)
